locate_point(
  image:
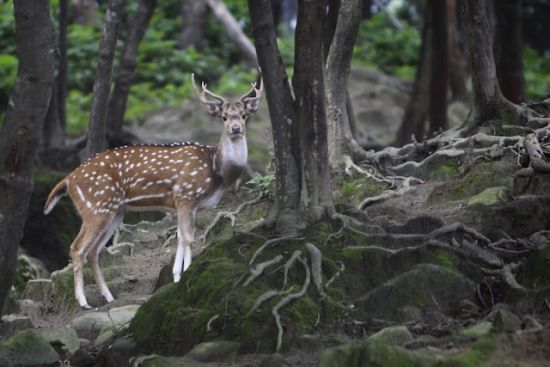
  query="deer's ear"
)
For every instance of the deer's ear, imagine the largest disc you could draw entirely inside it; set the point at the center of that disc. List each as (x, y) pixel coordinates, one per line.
(251, 106)
(214, 109)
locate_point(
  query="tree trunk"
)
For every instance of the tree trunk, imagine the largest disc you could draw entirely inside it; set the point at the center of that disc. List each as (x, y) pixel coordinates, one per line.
(234, 31)
(457, 67)
(489, 102)
(52, 133)
(337, 70)
(20, 133)
(440, 66)
(509, 49)
(62, 65)
(281, 110)
(316, 193)
(127, 66)
(102, 82)
(366, 10)
(417, 107)
(192, 18)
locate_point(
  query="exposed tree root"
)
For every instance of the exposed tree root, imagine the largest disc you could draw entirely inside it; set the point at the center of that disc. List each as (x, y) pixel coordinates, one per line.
(288, 265)
(259, 269)
(336, 275)
(263, 298)
(270, 242)
(231, 215)
(405, 187)
(506, 273)
(285, 301)
(536, 155)
(316, 266)
(211, 321)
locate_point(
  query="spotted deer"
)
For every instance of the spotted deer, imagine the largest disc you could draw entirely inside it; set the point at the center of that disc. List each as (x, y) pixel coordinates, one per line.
(184, 177)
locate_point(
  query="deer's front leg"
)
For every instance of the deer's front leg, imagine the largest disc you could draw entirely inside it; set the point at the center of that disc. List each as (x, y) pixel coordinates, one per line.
(186, 217)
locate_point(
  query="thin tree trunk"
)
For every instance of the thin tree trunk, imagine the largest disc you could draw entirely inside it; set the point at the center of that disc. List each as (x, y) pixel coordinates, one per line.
(102, 82)
(281, 109)
(20, 133)
(440, 67)
(508, 49)
(192, 18)
(366, 10)
(489, 102)
(457, 67)
(234, 31)
(127, 66)
(62, 66)
(316, 193)
(53, 134)
(417, 107)
(337, 70)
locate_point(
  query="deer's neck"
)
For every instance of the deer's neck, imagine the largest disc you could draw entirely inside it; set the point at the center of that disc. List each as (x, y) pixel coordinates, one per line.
(231, 158)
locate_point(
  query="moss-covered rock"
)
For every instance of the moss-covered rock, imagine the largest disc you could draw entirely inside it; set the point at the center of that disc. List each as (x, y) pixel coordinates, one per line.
(27, 348)
(426, 288)
(175, 318)
(64, 337)
(393, 335)
(491, 196)
(372, 354)
(353, 191)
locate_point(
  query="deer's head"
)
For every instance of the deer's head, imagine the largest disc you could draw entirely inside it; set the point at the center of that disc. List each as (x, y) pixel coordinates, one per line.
(233, 114)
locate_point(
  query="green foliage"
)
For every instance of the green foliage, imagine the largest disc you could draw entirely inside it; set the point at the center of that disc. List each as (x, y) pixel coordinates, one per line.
(386, 48)
(83, 43)
(537, 77)
(264, 184)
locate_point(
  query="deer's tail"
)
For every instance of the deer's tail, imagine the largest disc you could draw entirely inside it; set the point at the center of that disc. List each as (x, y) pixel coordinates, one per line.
(58, 191)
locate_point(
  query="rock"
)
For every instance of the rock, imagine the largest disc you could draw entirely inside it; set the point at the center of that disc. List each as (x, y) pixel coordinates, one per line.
(428, 287)
(503, 319)
(30, 308)
(221, 350)
(91, 324)
(367, 353)
(39, 290)
(536, 184)
(161, 361)
(422, 224)
(124, 248)
(146, 232)
(274, 360)
(393, 335)
(11, 324)
(491, 196)
(120, 352)
(478, 330)
(121, 316)
(104, 337)
(27, 348)
(82, 357)
(64, 337)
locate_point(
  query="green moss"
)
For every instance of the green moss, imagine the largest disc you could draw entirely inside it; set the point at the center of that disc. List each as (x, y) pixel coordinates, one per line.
(445, 259)
(536, 272)
(474, 356)
(354, 191)
(369, 353)
(447, 170)
(490, 196)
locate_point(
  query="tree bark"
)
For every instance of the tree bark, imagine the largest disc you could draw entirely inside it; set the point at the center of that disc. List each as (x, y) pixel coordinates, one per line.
(440, 67)
(62, 80)
(489, 102)
(127, 66)
(234, 31)
(337, 70)
(281, 109)
(316, 193)
(102, 83)
(192, 18)
(509, 49)
(53, 134)
(417, 108)
(457, 67)
(20, 133)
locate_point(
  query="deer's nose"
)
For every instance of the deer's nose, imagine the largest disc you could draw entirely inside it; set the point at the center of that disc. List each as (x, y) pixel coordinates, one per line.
(235, 129)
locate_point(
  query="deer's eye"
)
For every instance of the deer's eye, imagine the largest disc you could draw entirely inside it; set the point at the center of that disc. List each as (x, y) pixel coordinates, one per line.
(243, 116)
(224, 118)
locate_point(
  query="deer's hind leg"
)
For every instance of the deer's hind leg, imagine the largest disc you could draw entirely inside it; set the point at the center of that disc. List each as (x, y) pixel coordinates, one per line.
(90, 233)
(93, 255)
